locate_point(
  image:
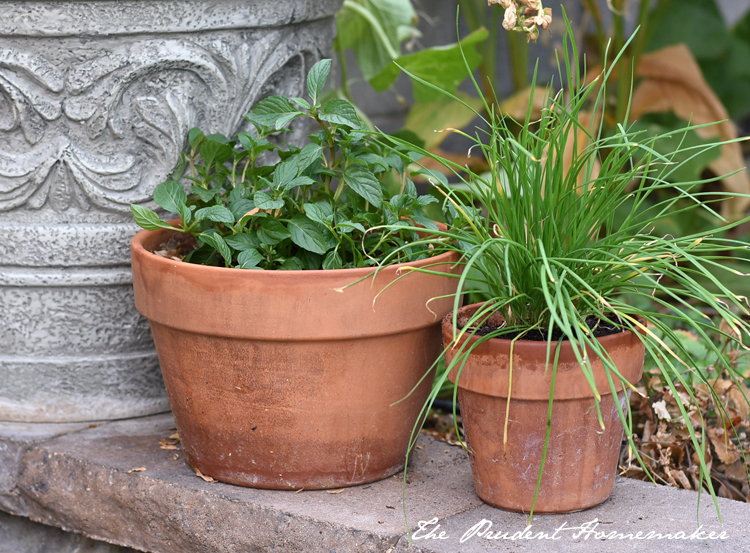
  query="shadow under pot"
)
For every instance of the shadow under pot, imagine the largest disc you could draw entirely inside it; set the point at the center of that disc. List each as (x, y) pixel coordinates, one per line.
(581, 462)
(284, 379)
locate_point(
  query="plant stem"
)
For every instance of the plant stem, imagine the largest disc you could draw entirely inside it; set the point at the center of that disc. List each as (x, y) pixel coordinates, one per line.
(519, 60)
(640, 42)
(624, 71)
(344, 74)
(593, 8)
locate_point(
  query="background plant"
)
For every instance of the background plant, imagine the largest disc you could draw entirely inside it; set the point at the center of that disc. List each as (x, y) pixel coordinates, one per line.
(556, 255)
(325, 205)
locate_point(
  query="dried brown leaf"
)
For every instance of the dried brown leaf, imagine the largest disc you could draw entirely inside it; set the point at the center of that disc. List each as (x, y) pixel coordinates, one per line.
(517, 105)
(725, 450)
(737, 471)
(199, 474)
(167, 445)
(682, 478)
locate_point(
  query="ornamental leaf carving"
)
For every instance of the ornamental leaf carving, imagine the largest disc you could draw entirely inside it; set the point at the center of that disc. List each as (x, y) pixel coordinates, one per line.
(108, 130)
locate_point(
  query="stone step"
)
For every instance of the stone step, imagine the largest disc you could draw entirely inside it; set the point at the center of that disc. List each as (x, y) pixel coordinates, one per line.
(81, 479)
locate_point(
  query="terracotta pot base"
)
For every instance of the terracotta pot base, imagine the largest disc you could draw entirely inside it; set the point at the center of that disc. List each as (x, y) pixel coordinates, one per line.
(508, 480)
(581, 461)
(287, 415)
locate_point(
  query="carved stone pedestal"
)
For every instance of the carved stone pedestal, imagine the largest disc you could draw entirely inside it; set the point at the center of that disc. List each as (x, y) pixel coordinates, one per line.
(96, 100)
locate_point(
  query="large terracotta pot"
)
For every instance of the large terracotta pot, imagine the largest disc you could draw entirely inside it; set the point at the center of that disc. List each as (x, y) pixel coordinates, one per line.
(280, 379)
(581, 462)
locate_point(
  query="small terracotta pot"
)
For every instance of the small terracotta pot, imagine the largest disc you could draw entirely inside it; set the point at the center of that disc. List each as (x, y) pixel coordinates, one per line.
(281, 379)
(581, 462)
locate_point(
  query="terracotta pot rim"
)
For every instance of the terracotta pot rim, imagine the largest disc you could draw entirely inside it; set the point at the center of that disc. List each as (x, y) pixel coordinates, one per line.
(138, 248)
(487, 368)
(537, 344)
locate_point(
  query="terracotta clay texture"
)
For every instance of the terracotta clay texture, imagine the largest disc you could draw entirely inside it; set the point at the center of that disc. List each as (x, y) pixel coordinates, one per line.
(281, 379)
(581, 462)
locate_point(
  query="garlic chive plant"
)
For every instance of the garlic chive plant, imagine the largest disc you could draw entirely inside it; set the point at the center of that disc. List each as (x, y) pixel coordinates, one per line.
(560, 232)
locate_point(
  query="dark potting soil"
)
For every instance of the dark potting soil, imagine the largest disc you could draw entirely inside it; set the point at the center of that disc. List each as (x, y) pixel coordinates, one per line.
(599, 327)
(177, 247)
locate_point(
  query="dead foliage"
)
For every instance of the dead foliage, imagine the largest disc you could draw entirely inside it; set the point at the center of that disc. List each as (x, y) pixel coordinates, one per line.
(719, 414)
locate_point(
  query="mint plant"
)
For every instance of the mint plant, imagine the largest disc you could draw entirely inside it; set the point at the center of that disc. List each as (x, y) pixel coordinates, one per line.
(326, 205)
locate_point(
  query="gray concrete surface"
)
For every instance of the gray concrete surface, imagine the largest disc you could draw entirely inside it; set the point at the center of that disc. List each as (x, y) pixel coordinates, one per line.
(78, 479)
(21, 535)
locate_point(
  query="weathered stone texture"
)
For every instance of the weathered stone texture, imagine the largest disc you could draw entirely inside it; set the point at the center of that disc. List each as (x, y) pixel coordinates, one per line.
(20, 535)
(77, 479)
(96, 100)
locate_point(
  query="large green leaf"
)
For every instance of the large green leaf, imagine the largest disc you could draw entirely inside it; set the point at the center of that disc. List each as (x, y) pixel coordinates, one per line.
(215, 152)
(316, 79)
(320, 212)
(170, 195)
(215, 213)
(242, 242)
(340, 112)
(307, 235)
(147, 219)
(307, 156)
(361, 32)
(273, 112)
(263, 200)
(697, 23)
(271, 231)
(363, 182)
(215, 240)
(442, 66)
(729, 76)
(426, 120)
(249, 258)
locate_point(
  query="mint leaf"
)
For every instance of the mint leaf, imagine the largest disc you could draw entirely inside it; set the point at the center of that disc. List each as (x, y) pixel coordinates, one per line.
(205, 195)
(186, 214)
(215, 152)
(363, 182)
(316, 79)
(215, 213)
(242, 242)
(147, 219)
(301, 102)
(423, 221)
(249, 258)
(215, 240)
(340, 112)
(170, 196)
(427, 200)
(292, 264)
(345, 227)
(240, 207)
(255, 145)
(320, 212)
(299, 181)
(284, 173)
(271, 232)
(307, 235)
(274, 112)
(307, 156)
(332, 261)
(263, 200)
